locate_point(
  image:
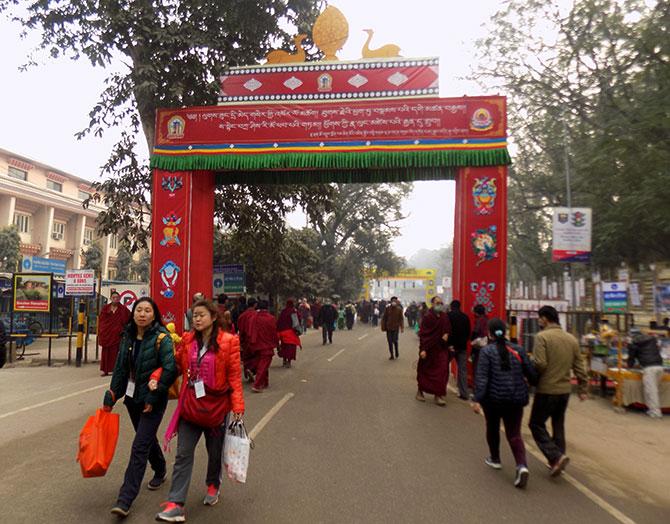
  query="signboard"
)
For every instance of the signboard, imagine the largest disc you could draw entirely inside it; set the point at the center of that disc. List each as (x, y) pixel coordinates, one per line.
(32, 292)
(662, 297)
(635, 296)
(571, 234)
(615, 297)
(229, 279)
(80, 282)
(43, 265)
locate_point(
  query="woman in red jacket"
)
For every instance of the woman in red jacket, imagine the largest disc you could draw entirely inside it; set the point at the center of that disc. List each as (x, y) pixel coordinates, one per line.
(209, 361)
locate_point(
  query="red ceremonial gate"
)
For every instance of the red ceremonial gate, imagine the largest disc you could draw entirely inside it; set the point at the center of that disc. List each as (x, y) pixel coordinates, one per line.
(366, 121)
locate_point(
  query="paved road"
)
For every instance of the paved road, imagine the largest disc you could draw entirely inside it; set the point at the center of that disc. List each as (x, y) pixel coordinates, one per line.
(350, 445)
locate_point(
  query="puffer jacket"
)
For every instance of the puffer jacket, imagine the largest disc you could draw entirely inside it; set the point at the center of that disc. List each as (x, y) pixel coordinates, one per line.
(644, 349)
(151, 357)
(495, 385)
(228, 370)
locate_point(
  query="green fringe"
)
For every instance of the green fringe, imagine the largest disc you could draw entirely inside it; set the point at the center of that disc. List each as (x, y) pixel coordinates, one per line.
(324, 167)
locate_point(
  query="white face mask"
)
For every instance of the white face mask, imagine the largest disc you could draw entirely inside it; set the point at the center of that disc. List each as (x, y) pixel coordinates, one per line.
(439, 308)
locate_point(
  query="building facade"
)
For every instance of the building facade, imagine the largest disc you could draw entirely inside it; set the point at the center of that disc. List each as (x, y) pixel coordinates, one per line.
(45, 205)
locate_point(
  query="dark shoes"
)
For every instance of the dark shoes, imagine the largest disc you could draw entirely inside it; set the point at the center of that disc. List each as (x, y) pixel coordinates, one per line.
(157, 482)
(558, 466)
(120, 511)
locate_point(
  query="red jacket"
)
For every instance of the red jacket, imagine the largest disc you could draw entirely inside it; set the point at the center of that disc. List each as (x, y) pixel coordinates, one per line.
(228, 369)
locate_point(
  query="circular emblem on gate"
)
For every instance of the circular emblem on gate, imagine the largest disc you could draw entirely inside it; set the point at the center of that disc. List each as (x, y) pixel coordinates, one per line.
(481, 120)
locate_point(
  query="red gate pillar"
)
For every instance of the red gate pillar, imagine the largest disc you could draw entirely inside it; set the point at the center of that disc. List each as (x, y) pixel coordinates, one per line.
(480, 239)
(182, 240)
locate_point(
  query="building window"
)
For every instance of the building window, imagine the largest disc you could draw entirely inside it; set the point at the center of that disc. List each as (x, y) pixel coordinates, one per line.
(58, 231)
(15, 172)
(55, 186)
(83, 195)
(113, 242)
(88, 236)
(22, 222)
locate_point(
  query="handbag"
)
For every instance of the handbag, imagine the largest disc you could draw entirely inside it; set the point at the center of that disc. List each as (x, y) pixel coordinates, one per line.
(209, 411)
(97, 443)
(236, 449)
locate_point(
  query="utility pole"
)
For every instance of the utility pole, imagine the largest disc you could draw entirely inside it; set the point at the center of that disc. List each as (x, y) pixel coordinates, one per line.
(568, 194)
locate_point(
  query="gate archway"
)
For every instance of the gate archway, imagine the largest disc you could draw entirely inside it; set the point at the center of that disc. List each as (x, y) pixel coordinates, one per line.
(367, 121)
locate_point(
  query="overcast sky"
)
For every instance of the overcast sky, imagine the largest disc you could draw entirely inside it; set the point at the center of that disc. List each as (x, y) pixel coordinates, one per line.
(43, 107)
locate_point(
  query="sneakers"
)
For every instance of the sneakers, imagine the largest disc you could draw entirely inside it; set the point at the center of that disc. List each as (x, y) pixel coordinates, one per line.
(212, 496)
(172, 512)
(440, 401)
(521, 479)
(495, 464)
(157, 482)
(391, 357)
(256, 390)
(120, 511)
(559, 466)
(420, 397)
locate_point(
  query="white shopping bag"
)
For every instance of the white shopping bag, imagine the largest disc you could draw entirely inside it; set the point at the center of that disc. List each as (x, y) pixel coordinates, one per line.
(236, 448)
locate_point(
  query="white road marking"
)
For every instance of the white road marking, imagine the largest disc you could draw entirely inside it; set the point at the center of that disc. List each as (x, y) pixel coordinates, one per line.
(361, 338)
(268, 416)
(336, 354)
(53, 400)
(593, 497)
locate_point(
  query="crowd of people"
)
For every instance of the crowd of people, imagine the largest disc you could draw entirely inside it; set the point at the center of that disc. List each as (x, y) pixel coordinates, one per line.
(228, 340)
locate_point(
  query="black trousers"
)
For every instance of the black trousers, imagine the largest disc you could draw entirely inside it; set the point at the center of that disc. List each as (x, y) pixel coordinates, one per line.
(544, 407)
(392, 339)
(145, 448)
(327, 331)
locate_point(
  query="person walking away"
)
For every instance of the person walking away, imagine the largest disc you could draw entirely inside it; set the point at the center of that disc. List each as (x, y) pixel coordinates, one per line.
(375, 314)
(145, 346)
(645, 350)
(433, 366)
(112, 321)
(263, 340)
(479, 335)
(327, 318)
(209, 361)
(243, 329)
(316, 313)
(341, 321)
(555, 354)
(393, 322)
(460, 334)
(305, 311)
(288, 328)
(501, 389)
(350, 313)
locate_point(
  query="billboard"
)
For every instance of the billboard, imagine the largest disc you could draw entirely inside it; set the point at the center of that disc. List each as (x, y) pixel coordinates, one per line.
(32, 292)
(571, 234)
(615, 297)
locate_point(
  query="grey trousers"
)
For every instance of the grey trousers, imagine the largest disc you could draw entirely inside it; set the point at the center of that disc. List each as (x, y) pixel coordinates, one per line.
(462, 364)
(188, 437)
(651, 380)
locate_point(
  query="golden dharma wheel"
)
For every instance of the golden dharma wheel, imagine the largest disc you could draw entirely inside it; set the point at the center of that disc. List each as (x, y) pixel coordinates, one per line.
(330, 32)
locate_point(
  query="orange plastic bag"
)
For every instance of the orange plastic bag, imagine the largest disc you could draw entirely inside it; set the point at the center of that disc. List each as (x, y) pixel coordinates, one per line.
(97, 442)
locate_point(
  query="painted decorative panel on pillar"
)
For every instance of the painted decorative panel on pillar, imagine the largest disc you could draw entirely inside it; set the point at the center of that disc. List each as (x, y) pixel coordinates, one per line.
(481, 239)
(181, 257)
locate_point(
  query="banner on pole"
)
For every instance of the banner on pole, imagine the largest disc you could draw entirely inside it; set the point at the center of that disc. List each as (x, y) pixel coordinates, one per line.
(572, 234)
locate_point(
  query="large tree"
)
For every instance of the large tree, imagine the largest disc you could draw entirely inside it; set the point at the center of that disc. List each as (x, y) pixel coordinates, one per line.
(162, 53)
(10, 249)
(592, 81)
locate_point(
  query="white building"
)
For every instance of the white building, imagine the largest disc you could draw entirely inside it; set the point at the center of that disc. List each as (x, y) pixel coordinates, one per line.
(45, 204)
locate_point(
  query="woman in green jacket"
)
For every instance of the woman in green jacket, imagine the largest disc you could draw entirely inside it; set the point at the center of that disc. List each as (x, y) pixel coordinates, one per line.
(145, 346)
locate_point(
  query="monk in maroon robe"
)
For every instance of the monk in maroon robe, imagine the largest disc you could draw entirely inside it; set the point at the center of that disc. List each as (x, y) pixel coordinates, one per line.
(243, 329)
(433, 368)
(112, 320)
(263, 340)
(287, 325)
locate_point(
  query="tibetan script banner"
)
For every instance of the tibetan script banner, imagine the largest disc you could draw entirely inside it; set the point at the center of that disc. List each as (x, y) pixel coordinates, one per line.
(298, 125)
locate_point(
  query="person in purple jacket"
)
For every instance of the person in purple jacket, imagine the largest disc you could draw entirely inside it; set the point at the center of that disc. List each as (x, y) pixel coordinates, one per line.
(501, 390)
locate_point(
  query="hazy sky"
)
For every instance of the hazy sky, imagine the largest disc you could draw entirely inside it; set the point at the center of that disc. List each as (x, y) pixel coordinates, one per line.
(43, 107)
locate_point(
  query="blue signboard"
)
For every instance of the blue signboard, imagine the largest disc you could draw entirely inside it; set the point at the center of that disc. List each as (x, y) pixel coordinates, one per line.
(43, 265)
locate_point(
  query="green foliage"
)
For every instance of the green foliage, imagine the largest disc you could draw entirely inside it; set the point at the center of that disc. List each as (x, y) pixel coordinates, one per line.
(166, 53)
(10, 249)
(601, 88)
(123, 262)
(93, 257)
